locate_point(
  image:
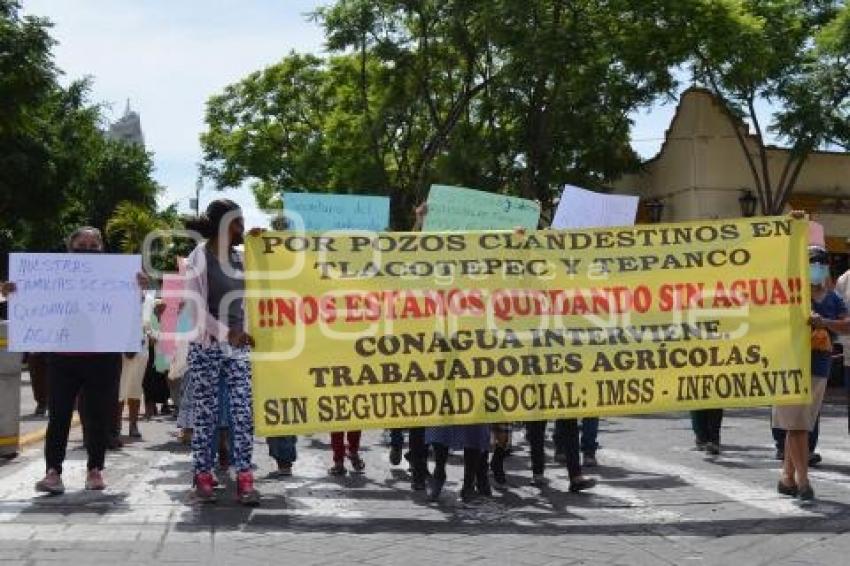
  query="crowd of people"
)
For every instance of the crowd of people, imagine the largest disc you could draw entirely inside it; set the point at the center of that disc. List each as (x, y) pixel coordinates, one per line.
(208, 380)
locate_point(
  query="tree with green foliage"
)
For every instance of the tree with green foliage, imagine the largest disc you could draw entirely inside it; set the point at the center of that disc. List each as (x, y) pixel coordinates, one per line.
(510, 97)
(29, 104)
(130, 224)
(374, 119)
(57, 170)
(572, 74)
(268, 128)
(792, 53)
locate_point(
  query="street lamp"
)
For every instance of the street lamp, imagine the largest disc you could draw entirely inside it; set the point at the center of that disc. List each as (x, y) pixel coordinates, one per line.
(748, 202)
(655, 208)
(196, 202)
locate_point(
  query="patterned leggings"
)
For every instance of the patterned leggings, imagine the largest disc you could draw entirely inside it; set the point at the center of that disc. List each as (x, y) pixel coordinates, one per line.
(208, 366)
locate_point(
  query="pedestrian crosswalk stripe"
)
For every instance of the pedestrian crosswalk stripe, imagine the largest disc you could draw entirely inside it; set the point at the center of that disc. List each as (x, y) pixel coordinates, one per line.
(758, 497)
(833, 455)
(636, 507)
(150, 494)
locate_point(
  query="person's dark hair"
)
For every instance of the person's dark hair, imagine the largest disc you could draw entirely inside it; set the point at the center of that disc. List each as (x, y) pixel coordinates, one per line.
(209, 224)
(817, 254)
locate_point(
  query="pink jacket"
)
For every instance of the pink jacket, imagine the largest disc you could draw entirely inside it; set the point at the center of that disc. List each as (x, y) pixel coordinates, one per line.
(207, 326)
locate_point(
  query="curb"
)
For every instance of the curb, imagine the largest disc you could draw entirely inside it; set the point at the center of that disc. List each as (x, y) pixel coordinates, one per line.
(37, 436)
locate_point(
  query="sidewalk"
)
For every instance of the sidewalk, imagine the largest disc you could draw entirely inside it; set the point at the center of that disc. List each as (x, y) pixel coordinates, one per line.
(659, 503)
(33, 428)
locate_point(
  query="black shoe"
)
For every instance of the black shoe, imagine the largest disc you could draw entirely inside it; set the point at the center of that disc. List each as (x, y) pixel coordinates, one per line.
(582, 484)
(418, 483)
(497, 466)
(539, 481)
(789, 490)
(589, 461)
(468, 494)
(780, 455)
(114, 443)
(484, 489)
(701, 446)
(435, 488)
(500, 480)
(40, 411)
(806, 493)
(395, 455)
(712, 449)
(814, 459)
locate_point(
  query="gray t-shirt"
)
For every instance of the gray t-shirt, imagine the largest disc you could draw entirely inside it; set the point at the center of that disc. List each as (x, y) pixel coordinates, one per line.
(219, 284)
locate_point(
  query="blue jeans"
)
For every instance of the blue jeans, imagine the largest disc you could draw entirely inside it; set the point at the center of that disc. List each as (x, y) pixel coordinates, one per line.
(589, 432)
(282, 449)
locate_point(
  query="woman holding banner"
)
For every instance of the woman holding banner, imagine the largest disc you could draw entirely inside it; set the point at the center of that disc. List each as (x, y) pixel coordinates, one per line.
(219, 356)
(829, 318)
(93, 376)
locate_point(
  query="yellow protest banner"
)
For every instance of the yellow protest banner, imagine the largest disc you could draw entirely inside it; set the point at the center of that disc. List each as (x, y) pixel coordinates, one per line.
(382, 330)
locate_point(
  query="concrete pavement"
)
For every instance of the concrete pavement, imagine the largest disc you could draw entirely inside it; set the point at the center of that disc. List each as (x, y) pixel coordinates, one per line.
(659, 502)
(33, 427)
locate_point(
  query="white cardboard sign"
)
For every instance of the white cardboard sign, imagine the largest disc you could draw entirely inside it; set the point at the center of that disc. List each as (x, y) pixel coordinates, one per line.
(580, 208)
(75, 303)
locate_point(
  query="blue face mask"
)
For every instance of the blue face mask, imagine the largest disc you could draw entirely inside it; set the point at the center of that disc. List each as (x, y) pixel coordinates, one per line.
(818, 273)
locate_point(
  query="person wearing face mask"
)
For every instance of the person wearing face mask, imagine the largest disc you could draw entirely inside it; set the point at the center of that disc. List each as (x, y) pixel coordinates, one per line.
(92, 376)
(829, 318)
(842, 287)
(219, 356)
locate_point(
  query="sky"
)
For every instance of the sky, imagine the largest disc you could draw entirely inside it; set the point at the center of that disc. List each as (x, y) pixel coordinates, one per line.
(168, 57)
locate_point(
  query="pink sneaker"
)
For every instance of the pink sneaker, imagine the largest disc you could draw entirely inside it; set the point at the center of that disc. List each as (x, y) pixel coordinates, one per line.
(94, 480)
(51, 483)
(204, 487)
(245, 492)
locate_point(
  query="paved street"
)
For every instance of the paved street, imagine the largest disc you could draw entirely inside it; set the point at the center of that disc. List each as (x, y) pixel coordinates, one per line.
(659, 502)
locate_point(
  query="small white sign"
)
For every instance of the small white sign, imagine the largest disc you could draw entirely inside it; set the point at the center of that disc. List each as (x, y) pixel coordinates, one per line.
(75, 303)
(580, 208)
